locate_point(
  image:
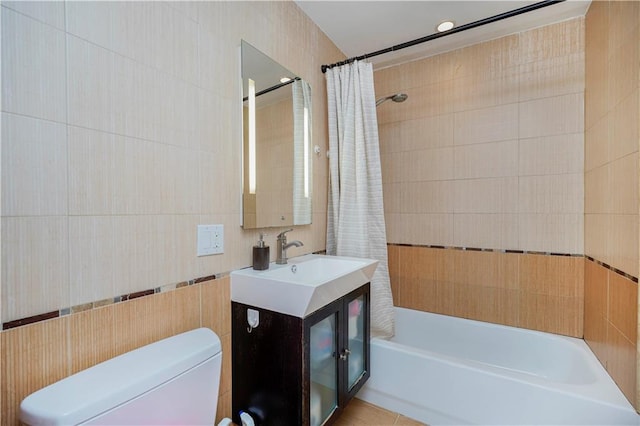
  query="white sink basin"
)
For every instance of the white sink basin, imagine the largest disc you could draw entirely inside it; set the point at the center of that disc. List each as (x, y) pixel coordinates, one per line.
(304, 285)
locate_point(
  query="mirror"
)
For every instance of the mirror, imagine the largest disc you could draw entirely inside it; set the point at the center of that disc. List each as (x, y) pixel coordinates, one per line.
(276, 118)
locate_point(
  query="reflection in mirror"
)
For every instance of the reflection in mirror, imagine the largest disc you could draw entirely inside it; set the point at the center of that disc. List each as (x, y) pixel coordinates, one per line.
(276, 116)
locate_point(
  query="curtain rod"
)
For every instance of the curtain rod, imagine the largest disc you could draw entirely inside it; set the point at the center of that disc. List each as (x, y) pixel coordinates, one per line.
(454, 30)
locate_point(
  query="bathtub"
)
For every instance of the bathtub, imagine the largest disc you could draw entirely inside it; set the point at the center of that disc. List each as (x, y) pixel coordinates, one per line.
(446, 370)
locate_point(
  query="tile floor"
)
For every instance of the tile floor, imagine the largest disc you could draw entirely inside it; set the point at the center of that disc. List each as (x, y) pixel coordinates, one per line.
(361, 413)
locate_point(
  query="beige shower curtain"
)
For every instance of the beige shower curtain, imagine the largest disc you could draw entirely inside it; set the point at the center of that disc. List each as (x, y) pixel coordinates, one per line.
(355, 213)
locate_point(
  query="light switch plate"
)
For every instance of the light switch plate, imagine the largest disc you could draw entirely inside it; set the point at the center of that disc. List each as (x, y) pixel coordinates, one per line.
(210, 240)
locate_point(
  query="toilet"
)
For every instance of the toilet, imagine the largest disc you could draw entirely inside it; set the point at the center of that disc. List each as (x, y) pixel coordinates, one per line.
(172, 381)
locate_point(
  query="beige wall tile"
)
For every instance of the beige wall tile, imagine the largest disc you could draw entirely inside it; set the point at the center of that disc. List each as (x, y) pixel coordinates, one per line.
(492, 124)
(623, 130)
(421, 197)
(555, 76)
(434, 69)
(551, 193)
(476, 91)
(31, 287)
(596, 190)
(493, 159)
(596, 69)
(492, 230)
(596, 142)
(623, 174)
(551, 155)
(435, 102)
(623, 243)
(416, 134)
(92, 254)
(623, 67)
(518, 111)
(551, 232)
(624, 14)
(34, 164)
(420, 165)
(490, 58)
(562, 39)
(50, 13)
(597, 237)
(491, 195)
(552, 116)
(33, 68)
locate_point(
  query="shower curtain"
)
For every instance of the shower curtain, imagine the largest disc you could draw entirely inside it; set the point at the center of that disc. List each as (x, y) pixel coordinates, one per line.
(355, 212)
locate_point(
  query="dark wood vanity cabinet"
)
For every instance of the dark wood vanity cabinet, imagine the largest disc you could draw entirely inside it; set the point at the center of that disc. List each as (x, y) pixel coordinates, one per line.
(300, 371)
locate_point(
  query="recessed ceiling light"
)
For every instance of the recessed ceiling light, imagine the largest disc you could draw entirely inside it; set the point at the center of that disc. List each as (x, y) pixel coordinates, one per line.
(445, 26)
(285, 79)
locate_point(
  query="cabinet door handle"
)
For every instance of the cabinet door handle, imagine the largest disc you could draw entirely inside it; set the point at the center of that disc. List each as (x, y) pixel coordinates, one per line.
(345, 353)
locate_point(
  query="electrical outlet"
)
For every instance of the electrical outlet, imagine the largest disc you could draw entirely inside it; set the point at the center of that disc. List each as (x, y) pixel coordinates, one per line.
(210, 240)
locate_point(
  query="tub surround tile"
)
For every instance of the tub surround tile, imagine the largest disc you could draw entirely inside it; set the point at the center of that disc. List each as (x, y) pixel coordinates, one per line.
(610, 326)
(621, 363)
(540, 291)
(623, 306)
(516, 116)
(612, 103)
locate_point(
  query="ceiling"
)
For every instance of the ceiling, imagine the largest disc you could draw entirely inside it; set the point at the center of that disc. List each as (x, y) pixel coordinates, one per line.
(361, 27)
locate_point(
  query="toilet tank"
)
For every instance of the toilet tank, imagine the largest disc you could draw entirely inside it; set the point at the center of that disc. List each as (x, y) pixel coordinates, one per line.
(172, 381)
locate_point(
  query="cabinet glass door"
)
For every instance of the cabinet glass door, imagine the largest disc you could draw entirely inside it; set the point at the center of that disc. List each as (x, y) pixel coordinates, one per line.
(356, 341)
(323, 392)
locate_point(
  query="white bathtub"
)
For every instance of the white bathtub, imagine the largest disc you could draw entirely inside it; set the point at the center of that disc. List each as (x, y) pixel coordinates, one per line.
(446, 370)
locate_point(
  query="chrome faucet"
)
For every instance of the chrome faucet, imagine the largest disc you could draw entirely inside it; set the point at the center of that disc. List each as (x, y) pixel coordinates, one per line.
(282, 246)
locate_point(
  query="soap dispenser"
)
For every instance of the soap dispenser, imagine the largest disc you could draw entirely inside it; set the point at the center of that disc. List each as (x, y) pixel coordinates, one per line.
(260, 255)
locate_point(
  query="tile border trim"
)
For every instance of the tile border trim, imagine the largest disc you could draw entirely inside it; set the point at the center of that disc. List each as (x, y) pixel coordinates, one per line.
(110, 301)
(173, 286)
(508, 251)
(117, 299)
(490, 250)
(612, 269)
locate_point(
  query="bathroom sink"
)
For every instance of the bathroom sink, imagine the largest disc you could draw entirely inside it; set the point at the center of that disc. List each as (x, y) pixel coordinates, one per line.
(302, 286)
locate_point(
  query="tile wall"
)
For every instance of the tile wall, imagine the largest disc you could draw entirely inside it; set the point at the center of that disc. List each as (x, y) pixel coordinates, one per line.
(534, 291)
(612, 140)
(121, 132)
(47, 351)
(482, 170)
(487, 151)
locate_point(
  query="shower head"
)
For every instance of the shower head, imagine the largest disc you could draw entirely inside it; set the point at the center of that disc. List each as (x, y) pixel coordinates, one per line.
(398, 97)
